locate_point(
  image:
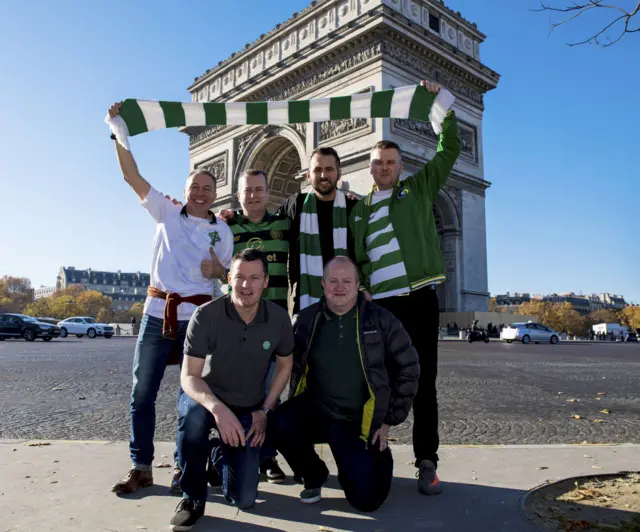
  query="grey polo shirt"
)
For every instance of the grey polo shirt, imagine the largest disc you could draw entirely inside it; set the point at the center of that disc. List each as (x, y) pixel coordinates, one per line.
(238, 354)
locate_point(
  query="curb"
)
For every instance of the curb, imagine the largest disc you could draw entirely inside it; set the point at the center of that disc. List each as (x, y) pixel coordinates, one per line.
(523, 498)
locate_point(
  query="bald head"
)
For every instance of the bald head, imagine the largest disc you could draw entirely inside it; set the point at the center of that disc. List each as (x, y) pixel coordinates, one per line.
(340, 261)
(340, 284)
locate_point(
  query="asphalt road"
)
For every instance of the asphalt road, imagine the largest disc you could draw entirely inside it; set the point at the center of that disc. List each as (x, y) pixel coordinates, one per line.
(489, 394)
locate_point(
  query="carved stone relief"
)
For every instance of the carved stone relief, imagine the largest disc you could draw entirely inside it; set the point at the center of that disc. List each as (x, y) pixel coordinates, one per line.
(337, 128)
(204, 133)
(217, 165)
(241, 144)
(406, 57)
(301, 129)
(468, 142)
(423, 131)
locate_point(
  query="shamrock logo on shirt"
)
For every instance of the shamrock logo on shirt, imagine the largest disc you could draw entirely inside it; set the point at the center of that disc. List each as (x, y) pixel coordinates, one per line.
(215, 238)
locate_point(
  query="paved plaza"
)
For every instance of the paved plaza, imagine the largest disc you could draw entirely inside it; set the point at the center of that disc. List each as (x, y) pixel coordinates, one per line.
(489, 394)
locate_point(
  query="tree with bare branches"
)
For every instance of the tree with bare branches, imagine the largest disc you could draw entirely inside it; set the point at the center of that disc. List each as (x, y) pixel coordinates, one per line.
(619, 21)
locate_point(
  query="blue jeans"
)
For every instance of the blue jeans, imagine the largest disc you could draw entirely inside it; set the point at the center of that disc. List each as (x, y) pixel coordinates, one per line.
(237, 466)
(149, 363)
(364, 472)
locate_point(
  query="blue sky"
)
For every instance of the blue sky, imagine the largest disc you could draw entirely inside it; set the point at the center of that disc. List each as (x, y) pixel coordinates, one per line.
(561, 135)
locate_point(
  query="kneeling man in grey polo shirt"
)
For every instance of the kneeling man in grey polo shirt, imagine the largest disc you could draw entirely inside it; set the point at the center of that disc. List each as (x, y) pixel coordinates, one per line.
(227, 352)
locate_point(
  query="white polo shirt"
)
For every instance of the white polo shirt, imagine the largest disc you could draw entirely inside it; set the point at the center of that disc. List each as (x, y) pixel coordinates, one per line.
(180, 244)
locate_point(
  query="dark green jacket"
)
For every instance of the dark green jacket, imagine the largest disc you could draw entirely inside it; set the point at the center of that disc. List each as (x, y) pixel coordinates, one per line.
(411, 213)
(389, 362)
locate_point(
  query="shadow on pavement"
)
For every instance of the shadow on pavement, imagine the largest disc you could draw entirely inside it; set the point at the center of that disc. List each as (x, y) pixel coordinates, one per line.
(460, 508)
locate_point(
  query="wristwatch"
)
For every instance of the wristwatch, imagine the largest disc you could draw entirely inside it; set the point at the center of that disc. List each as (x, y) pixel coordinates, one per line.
(265, 410)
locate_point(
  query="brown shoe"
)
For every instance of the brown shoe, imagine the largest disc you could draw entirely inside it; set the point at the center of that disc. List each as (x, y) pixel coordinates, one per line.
(135, 479)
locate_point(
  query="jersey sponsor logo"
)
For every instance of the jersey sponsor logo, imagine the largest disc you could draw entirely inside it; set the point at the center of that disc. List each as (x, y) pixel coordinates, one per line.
(276, 234)
(266, 345)
(272, 257)
(215, 238)
(255, 243)
(236, 238)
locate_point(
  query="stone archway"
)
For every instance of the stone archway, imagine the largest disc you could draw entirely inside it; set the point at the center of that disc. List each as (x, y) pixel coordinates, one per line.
(448, 226)
(278, 151)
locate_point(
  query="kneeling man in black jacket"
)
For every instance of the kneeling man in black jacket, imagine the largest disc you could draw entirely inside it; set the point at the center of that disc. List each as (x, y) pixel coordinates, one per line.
(355, 374)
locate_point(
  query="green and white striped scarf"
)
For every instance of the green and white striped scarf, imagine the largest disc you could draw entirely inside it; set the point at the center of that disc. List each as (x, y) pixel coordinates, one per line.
(413, 102)
(388, 272)
(311, 265)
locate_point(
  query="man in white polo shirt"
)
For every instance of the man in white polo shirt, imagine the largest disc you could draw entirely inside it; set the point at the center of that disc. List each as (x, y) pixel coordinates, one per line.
(191, 250)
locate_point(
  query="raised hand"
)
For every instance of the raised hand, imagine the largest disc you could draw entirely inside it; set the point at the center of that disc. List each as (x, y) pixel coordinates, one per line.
(114, 110)
(431, 86)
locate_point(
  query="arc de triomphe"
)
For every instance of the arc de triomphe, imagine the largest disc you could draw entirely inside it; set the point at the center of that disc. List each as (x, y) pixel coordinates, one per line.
(341, 47)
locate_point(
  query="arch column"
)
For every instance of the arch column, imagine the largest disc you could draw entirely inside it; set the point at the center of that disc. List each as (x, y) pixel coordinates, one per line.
(448, 226)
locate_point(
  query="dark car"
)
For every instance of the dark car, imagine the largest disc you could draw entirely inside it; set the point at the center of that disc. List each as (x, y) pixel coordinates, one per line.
(21, 326)
(631, 337)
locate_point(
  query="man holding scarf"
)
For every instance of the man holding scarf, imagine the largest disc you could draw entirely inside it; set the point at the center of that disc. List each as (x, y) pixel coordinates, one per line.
(400, 261)
(191, 250)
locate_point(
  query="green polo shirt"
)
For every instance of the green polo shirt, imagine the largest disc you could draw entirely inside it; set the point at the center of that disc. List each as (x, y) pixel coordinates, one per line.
(336, 377)
(238, 354)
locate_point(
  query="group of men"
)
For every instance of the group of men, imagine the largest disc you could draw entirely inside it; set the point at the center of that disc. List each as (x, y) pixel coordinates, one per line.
(362, 350)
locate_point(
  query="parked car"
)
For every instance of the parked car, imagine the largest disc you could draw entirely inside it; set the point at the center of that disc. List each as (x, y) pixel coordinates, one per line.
(631, 337)
(82, 325)
(27, 327)
(529, 332)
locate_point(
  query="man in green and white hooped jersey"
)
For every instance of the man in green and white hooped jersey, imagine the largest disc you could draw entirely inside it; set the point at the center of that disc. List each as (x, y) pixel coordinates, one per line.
(256, 228)
(398, 253)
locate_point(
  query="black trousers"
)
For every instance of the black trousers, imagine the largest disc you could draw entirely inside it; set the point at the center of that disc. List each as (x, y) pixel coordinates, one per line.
(420, 314)
(364, 472)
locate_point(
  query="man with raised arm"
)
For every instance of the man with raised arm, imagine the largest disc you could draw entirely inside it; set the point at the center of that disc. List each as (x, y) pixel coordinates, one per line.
(191, 250)
(398, 253)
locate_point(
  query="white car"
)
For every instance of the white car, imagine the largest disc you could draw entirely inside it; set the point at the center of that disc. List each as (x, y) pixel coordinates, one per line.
(84, 325)
(529, 332)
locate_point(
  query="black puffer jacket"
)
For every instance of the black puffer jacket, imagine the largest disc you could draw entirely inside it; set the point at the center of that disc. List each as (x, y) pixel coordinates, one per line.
(389, 359)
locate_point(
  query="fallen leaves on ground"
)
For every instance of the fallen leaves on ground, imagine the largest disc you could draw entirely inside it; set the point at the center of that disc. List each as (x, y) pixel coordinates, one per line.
(163, 464)
(597, 420)
(576, 416)
(56, 389)
(541, 468)
(574, 525)
(38, 444)
(581, 494)
(572, 400)
(81, 398)
(602, 393)
(605, 411)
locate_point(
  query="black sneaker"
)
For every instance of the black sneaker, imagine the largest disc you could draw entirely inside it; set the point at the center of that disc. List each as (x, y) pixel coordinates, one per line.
(187, 514)
(313, 495)
(271, 470)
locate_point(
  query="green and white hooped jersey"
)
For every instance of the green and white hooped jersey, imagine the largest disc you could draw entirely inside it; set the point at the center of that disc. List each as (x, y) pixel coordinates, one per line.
(388, 272)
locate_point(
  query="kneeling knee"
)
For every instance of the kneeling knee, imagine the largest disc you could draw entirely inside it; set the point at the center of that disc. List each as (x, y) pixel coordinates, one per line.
(366, 502)
(245, 502)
